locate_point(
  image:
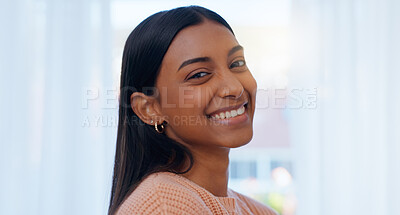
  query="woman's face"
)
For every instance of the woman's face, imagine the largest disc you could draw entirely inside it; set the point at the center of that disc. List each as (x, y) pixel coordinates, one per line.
(206, 91)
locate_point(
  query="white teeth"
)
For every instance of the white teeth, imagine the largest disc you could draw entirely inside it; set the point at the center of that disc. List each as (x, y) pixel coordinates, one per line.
(229, 114)
(240, 111)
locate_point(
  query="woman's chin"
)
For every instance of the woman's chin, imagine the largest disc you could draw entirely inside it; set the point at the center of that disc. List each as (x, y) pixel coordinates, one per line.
(238, 145)
(235, 142)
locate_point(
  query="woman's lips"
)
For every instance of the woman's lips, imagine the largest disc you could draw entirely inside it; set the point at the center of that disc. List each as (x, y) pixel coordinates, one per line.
(235, 116)
(227, 109)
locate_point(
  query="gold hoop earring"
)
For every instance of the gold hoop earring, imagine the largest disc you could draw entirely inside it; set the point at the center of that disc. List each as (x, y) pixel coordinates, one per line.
(160, 131)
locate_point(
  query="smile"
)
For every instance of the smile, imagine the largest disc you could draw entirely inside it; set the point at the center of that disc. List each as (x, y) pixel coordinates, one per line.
(229, 113)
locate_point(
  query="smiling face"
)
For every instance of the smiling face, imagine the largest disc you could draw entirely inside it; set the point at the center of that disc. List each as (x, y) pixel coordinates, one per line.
(206, 92)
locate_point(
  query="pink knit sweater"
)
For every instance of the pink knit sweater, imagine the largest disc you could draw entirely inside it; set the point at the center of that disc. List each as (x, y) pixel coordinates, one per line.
(169, 193)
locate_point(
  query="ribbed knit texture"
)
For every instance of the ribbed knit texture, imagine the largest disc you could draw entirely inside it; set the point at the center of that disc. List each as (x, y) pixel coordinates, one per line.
(169, 193)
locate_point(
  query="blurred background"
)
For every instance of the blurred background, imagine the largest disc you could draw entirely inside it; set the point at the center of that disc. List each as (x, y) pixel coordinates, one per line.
(327, 124)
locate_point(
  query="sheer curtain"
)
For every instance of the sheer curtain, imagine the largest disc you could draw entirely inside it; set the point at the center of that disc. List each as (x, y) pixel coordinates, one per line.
(55, 70)
(58, 106)
(347, 149)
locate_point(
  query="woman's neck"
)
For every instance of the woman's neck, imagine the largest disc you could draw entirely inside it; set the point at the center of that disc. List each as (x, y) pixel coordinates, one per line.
(210, 169)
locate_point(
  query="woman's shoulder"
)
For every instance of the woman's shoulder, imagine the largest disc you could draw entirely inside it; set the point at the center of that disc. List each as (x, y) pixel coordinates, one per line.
(161, 193)
(255, 206)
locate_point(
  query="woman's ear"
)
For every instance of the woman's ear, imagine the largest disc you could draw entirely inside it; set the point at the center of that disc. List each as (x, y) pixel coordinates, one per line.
(146, 108)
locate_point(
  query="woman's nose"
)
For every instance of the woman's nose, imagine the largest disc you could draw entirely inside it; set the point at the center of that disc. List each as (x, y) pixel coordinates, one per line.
(230, 86)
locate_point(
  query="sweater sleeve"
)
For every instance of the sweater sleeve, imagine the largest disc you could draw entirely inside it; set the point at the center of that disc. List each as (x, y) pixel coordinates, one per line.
(159, 197)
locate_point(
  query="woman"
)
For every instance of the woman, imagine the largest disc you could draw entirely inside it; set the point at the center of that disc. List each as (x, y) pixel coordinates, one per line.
(186, 98)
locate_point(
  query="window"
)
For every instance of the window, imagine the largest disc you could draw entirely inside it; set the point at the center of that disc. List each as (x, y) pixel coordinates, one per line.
(243, 169)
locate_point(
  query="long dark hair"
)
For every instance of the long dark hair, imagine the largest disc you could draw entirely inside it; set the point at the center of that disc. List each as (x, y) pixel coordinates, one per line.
(140, 150)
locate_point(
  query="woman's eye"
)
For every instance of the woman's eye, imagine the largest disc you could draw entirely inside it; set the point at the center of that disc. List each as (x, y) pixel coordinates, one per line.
(238, 63)
(198, 75)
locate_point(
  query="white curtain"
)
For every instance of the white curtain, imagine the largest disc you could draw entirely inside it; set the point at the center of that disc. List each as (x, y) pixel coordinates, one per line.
(58, 106)
(348, 148)
(55, 54)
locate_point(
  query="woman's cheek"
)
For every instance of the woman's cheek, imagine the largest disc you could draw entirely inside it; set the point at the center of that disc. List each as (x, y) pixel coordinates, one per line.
(193, 98)
(252, 85)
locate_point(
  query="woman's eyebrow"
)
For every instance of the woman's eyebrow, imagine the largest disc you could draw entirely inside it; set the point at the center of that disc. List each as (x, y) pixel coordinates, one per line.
(235, 49)
(194, 60)
(207, 59)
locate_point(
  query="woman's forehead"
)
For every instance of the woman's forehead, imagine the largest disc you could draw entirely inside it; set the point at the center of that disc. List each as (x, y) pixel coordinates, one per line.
(201, 40)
